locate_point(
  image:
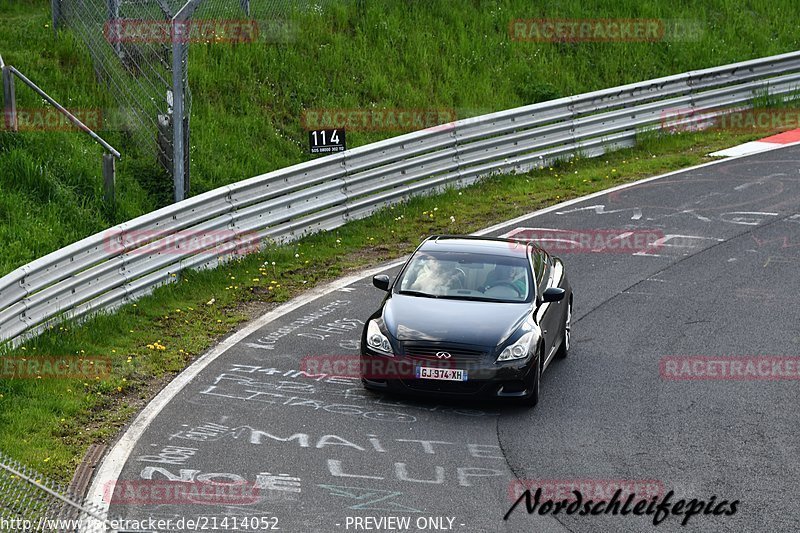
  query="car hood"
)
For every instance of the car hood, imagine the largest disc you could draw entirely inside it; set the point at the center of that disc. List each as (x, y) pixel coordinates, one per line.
(414, 318)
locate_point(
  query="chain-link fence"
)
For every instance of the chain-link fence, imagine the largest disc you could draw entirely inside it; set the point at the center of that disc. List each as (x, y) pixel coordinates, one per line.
(137, 70)
(140, 53)
(31, 503)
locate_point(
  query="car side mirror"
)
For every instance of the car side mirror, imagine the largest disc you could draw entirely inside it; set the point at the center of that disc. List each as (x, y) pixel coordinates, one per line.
(382, 282)
(553, 294)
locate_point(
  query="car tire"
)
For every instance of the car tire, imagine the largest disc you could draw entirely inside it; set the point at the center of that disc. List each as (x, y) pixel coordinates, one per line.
(533, 398)
(563, 350)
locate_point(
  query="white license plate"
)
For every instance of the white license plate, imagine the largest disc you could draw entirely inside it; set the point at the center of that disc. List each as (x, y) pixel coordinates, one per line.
(447, 374)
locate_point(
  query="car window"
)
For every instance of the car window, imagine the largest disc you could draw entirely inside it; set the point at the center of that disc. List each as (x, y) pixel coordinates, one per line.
(537, 258)
(543, 276)
(461, 275)
(542, 265)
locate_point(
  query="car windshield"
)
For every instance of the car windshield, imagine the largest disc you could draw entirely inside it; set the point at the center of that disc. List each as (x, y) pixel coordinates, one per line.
(466, 276)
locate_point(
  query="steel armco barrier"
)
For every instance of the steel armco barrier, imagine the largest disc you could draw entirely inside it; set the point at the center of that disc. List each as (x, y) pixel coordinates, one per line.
(115, 267)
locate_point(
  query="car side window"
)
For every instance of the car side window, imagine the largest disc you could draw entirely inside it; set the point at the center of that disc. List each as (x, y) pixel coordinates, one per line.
(544, 277)
(541, 269)
(537, 260)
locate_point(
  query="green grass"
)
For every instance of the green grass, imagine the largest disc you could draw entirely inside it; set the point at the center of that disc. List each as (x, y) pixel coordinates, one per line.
(248, 103)
(51, 184)
(441, 55)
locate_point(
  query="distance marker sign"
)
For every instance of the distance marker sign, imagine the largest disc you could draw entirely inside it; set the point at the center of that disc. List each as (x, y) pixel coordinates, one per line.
(327, 141)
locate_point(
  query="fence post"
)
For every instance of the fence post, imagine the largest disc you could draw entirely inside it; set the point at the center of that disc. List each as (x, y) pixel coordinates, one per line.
(186, 156)
(178, 49)
(109, 179)
(55, 7)
(9, 100)
(112, 28)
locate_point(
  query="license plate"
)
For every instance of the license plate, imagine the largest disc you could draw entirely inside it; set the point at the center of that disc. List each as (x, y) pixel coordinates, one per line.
(447, 374)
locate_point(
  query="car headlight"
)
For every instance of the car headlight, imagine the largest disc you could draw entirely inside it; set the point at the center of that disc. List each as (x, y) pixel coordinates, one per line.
(376, 340)
(518, 350)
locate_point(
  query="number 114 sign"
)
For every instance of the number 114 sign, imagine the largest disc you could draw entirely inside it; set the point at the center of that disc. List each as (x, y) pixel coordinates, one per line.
(327, 141)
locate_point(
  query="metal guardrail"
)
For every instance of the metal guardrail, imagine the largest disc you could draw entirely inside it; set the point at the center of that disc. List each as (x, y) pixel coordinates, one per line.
(115, 267)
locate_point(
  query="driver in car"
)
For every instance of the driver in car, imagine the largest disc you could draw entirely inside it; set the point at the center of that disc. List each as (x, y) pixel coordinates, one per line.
(507, 275)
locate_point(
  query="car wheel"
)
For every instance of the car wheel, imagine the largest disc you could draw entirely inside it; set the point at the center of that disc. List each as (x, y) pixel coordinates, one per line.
(563, 350)
(533, 398)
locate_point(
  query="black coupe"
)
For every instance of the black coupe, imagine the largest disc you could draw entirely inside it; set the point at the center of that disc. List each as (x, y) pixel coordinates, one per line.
(469, 316)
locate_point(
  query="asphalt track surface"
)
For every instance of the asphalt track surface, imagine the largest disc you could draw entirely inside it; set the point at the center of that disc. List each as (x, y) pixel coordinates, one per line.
(723, 282)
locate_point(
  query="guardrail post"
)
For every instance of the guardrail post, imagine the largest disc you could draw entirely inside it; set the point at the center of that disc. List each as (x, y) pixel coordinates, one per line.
(109, 179)
(9, 100)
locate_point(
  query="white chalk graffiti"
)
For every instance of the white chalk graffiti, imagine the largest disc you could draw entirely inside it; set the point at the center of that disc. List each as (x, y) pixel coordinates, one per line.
(677, 243)
(600, 209)
(355, 390)
(207, 432)
(264, 481)
(171, 455)
(236, 387)
(370, 499)
(281, 482)
(212, 432)
(463, 474)
(343, 458)
(268, 341)
(294, 374)
(744, 218)
(337, 327)
(353, 345)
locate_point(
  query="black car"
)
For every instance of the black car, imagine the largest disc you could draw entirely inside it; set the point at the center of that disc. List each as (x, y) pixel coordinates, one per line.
(469, 316)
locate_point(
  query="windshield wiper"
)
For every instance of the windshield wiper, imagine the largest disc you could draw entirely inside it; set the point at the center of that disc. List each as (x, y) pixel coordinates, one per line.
(482, 299)
(418, 293)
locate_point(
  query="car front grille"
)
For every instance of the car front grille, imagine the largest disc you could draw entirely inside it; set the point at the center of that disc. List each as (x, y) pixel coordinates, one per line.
(426, 353)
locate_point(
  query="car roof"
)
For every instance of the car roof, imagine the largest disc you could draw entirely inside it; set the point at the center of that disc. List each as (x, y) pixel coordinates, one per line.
(469, 243)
